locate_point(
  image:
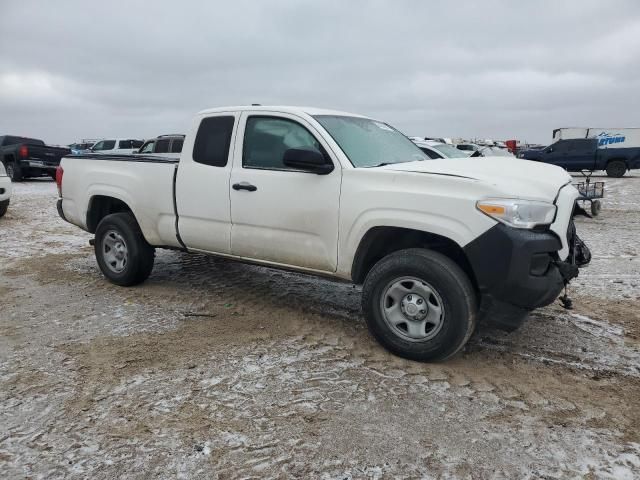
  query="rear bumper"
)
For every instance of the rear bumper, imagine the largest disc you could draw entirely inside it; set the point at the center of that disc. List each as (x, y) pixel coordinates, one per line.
(517, 271)
(35, 164)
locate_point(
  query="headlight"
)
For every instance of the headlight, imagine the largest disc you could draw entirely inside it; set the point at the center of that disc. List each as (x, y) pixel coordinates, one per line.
(518, 213)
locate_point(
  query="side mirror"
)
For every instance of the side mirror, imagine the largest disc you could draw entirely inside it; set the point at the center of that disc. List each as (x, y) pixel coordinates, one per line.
(307, 160)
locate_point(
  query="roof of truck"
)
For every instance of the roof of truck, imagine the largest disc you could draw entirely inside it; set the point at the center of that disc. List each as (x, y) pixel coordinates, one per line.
(283, 109)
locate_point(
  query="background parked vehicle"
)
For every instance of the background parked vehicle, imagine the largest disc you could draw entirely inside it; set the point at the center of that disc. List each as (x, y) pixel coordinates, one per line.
(117, 146)
(440, 150)
(587, 154)
(468, 147)
(29, 157)
(5, 190)
(83, 146)
(618, 150)
(492, 151)
(169, 145)
(345, 197)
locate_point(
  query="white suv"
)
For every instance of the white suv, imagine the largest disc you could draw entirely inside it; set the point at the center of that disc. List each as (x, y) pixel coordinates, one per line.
(117, 146)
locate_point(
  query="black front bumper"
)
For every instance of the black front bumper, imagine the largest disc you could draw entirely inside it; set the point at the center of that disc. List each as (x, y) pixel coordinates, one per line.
(517, 271)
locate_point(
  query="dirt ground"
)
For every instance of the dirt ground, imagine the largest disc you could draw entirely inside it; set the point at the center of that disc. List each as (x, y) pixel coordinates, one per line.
(217, 369)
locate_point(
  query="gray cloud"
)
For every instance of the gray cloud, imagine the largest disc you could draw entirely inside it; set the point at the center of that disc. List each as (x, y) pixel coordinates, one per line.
(489, 69)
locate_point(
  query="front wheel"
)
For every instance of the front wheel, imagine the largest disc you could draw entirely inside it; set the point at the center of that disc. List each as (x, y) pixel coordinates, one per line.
(123, 255)
(419, 304)
(616, 168)
(596, 206)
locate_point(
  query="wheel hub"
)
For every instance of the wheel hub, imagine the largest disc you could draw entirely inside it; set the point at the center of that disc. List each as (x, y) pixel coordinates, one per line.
(414, 307)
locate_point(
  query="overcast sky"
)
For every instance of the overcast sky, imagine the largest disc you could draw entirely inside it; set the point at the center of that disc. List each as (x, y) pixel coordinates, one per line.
(72, 70)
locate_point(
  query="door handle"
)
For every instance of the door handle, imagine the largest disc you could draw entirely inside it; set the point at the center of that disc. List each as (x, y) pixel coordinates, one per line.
(245, 186)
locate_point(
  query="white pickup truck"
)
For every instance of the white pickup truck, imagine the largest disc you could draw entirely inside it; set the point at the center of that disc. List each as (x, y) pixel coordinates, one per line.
(436, 244)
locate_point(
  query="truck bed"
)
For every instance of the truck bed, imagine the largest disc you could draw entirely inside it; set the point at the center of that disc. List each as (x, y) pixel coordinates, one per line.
(150, 177)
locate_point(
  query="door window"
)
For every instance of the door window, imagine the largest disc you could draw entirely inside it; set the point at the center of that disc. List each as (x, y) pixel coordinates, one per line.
(559, 147)
(148, 147)
(267, 138)
(162, 146)
(212, 142)
(176, 146)
(104, 145)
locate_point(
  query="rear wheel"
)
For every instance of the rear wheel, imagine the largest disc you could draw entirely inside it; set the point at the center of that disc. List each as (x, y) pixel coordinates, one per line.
(616, 168)
(3, 207)
(14, 171)
(419, 304)
(596, 206)
(123, 255)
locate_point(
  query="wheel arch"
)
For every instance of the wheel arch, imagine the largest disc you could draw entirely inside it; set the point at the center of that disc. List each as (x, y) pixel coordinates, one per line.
(102, 205)
(619, 159)
(380, 241)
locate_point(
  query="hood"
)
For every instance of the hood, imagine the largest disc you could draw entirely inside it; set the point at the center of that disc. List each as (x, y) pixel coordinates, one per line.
(512, 177)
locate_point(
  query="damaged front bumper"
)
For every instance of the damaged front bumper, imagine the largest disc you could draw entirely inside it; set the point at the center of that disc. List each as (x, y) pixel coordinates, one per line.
(519, 270)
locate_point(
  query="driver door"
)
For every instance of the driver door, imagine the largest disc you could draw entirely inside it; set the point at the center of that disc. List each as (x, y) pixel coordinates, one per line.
(279, 214)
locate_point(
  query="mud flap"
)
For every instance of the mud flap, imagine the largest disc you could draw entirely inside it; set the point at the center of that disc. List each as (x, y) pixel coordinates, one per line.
(579, 256)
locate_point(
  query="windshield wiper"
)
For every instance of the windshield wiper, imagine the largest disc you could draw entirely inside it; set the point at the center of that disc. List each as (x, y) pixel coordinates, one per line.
(383, 164)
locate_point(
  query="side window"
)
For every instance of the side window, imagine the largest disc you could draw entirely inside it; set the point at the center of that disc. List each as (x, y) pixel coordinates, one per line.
(212, 142)
(267, 138)
(176, 146)
(561, 147)
(136, 143)
(124, 144)
(148, 147)
(104, 145)
(162, 146)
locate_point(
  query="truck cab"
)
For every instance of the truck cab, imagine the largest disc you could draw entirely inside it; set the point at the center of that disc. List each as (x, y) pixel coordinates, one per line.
(573, 155)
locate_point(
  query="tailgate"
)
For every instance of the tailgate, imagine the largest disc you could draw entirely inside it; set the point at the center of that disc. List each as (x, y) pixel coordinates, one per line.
(44, 156)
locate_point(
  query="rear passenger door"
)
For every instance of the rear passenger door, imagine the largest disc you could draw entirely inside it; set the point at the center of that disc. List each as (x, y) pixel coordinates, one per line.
(202, 184)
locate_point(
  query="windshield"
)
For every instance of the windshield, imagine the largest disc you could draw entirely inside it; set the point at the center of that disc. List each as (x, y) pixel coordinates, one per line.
(368, 143)
(450, 151)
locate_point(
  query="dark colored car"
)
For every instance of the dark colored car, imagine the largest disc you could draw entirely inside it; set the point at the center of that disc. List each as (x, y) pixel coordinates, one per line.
(579, 154)
(29, 157)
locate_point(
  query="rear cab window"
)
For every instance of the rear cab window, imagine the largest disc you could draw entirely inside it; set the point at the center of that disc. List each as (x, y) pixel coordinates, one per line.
(211, 146)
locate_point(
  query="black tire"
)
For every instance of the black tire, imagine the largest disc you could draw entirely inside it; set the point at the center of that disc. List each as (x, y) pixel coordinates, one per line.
(446, 278)
(3, 207)
(14, 171)
(616, 168)
(596, 206)
(139, 254)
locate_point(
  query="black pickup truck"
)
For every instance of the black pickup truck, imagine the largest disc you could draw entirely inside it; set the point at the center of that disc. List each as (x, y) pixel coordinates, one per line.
(29, 157)
(579, 154)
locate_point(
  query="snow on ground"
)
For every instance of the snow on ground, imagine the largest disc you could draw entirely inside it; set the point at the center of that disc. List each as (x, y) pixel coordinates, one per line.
(217, 369)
